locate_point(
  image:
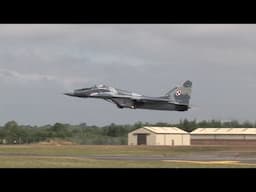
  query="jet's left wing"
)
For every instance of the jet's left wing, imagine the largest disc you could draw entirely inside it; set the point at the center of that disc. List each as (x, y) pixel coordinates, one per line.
(122, 102)
(131, 101)
(143, 98)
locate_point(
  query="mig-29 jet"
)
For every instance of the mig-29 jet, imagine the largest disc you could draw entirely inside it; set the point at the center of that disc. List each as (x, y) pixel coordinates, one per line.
(177, 99)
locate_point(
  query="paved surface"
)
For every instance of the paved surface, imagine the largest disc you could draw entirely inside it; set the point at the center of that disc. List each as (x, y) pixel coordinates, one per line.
(243, 157)
(190, 157)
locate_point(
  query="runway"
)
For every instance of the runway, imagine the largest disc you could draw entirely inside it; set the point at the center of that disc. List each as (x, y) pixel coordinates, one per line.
(126, 156)
(242, 157)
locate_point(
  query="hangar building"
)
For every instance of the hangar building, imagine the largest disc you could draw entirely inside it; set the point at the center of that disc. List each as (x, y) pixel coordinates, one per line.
(169, 136)
(223, 136)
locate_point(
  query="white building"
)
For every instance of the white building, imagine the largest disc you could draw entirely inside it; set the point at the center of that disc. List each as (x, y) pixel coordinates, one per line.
(170, 136)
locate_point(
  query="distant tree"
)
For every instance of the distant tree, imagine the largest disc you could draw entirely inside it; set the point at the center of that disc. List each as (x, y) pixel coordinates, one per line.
(83, 125)
(162, 124)
(112, 131)
(185, 124)
(59, 130)
(247, 124)
(202, 124)
(215, 123)
(11, 125)
(235, 123)
(137, 125)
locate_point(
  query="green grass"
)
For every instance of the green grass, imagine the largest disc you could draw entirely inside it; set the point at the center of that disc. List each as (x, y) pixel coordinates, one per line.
(101, 149)
(55, 162)
(71, 156)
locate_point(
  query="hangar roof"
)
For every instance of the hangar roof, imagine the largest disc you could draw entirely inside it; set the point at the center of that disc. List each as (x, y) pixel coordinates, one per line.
(165, 130)
(232, 131)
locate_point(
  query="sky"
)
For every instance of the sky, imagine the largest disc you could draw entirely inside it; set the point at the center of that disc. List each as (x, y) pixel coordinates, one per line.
(39, 62)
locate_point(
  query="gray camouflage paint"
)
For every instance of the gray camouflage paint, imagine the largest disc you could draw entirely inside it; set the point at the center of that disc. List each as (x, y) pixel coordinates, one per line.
(177, 99)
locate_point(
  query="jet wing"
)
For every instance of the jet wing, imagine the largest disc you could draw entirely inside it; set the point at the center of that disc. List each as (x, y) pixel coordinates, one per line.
(142, 98)
(131, 101)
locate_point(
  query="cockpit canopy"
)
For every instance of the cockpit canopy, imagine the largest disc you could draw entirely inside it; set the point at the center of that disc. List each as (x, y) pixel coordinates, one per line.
(84, 89)
(101, 86)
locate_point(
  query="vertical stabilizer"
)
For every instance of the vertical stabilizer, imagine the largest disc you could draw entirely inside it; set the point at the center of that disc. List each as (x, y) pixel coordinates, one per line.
(181, 94)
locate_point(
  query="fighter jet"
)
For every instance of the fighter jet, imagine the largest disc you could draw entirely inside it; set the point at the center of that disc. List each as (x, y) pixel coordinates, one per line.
(177, 99)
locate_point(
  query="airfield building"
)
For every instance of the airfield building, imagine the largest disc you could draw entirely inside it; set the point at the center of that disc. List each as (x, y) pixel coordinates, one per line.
(223, 136)
(168, 136)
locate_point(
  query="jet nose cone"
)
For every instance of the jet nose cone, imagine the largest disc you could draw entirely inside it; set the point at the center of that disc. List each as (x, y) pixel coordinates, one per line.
(69, 94)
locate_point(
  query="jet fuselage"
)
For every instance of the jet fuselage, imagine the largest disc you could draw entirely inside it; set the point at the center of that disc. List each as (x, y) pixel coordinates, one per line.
(128, 99)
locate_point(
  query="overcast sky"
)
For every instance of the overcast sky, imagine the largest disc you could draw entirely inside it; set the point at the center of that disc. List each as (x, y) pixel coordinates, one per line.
(38, 63)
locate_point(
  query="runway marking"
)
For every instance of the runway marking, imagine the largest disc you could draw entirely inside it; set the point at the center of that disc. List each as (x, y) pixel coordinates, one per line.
(211, 162)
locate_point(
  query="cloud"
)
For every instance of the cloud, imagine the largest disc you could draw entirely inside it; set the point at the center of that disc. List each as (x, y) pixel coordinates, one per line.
(5, 73)
(146, 58)
(12, 76)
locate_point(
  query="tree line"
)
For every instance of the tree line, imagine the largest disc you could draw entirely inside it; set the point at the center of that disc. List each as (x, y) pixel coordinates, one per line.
(113, 134)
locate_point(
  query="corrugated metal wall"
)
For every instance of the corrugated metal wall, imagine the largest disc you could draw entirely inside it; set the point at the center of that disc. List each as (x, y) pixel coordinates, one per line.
(224, 139)
(222, 142)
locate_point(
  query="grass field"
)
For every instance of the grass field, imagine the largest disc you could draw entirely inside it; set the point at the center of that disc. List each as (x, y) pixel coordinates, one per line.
(78, 156)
